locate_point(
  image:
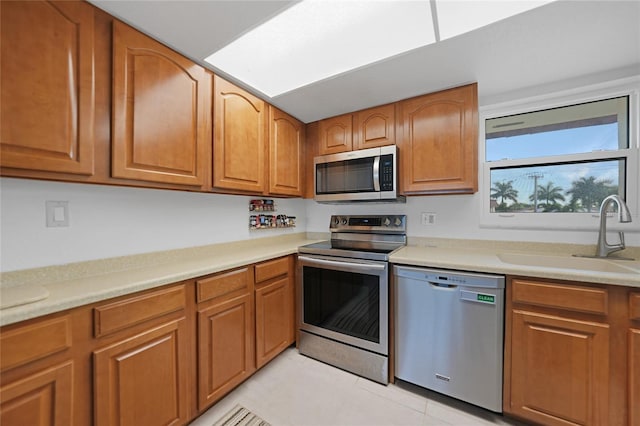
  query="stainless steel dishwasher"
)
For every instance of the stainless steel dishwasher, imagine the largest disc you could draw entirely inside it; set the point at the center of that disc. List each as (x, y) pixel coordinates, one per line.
(449, 333)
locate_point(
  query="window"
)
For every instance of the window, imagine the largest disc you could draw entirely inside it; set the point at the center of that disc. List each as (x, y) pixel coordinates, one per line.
(551, 164)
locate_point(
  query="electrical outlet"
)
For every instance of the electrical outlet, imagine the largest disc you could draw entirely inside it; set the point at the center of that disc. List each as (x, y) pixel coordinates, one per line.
(428, 218)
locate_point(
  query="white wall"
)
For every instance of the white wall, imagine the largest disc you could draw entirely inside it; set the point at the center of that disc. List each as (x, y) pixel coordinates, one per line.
(457, 216)
(108, 221)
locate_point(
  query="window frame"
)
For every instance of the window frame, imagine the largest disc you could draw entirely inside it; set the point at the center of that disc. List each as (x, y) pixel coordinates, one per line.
(564, 221)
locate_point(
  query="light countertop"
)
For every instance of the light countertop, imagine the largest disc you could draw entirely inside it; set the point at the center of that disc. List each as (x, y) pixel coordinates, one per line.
(36, 292)
(532, 264)
(73, 285)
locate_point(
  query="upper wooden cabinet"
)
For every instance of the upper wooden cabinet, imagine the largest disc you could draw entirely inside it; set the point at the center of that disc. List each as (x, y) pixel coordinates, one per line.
(286, 154)
(240, 139)
(439, 142)
(374, 127)
(161, 112)
(47, 86)
(336, 134)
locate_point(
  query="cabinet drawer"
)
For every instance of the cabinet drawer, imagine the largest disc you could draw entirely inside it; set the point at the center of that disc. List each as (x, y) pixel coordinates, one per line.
(222, 284)
(568, 297)
(35, 341)
(125, 313)
(271, 269)
(634, 306)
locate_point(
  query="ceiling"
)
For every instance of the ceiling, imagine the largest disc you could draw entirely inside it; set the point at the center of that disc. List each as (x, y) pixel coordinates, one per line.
(560, 41)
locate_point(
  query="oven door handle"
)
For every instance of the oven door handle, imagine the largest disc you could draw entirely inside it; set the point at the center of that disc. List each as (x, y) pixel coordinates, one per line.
(355, 266)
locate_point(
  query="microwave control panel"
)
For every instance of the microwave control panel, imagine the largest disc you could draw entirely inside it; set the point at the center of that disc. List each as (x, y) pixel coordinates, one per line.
(386, 173)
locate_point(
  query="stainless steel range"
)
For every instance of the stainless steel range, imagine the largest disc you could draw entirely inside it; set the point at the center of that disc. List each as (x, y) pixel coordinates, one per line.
(343, 290)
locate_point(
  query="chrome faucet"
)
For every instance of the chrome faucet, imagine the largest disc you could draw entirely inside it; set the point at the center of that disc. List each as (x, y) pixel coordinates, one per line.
(604, 249)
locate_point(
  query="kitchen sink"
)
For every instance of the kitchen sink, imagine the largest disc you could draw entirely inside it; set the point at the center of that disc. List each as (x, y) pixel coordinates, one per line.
(570, 262)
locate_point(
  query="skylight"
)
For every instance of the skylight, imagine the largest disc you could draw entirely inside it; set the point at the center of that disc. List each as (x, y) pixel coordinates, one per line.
(316, 39)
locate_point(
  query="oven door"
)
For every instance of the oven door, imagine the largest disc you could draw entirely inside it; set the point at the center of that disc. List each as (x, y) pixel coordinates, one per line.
(345, 300)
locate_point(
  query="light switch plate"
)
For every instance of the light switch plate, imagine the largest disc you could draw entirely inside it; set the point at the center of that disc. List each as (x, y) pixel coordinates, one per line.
(57, 213)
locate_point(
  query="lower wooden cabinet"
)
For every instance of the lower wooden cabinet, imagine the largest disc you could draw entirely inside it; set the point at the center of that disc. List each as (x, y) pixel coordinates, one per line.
(143, 379)
(633, 334)
(37, 369)
(157, 357)
(560, 369)
(570, 358)
(273, 320)
(275, 308)
(225, 347)
(41, 398)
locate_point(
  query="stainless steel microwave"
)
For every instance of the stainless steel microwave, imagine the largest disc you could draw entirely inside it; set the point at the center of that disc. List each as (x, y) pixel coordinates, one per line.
(363, 175)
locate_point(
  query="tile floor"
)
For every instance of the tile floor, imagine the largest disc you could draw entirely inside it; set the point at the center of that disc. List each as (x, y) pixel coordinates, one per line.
(294, 390)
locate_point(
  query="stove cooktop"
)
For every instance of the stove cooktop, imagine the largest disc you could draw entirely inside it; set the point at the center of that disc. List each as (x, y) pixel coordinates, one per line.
(354, 251)
(370, 237)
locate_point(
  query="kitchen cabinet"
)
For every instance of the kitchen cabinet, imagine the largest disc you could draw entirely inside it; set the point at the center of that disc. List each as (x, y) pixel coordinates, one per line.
(335, 134)
(161, 112)
(240, 139)
(37, 373)
(311, 148)
(47, 86)
(286, 154)
(141, 365)
(633, 333)
(226, 333)
(274, 308)
(439, 142)
(565, 356)
(156, 357)
(374, 127)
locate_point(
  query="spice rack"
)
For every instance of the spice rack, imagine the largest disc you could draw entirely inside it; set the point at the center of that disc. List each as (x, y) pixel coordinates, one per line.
(263, 216)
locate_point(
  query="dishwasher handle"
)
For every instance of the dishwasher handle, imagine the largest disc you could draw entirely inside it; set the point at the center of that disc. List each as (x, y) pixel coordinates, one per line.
(442, 286)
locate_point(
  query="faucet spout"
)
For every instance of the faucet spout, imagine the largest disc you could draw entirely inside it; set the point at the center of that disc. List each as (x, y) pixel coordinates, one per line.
(604, 249)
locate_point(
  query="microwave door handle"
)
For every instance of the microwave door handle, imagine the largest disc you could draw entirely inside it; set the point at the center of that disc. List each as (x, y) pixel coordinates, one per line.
(376, 173)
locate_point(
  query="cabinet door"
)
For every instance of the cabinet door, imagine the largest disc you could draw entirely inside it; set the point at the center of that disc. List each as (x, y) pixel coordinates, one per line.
(239, 145)
(47, 110)
(634, 377)
(42, 398)
(336, 134)
(559, 370)
(273, 320)
(439, 148)
(374, 127)
(225, 347)
(286, 154)
(143, 380)
(161, 112)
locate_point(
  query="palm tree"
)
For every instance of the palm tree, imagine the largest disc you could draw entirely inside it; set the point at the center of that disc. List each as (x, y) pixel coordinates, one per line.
(590, 192)
(504, 191)
(550, 194)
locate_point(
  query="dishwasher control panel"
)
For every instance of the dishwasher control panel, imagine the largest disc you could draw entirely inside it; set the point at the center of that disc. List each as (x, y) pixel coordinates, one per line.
(452, 278)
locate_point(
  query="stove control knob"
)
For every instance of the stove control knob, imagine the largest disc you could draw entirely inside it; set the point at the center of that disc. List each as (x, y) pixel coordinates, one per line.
(336, 221)
(344, 220)
(386, 221)
(398, 221)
